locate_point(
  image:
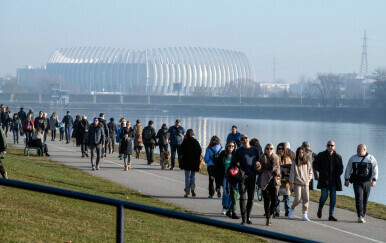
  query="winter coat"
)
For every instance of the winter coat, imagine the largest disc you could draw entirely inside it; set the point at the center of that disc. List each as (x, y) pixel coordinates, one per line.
(53, 122)
(138, 128)
(112, 128)
(270, 167)
(152, 140)
(75, 128)
(322, 165)
(235, 138)
(284, 188)
(220, 166)
(311, 157)
(161, 136)
(105, 128)
(96, 135)
(127, 143)
(300, 175)
(40, 122)
(24, 127)
(82, 132)
(190, 152)
(15, 124)
(22, 116)
(5, 118)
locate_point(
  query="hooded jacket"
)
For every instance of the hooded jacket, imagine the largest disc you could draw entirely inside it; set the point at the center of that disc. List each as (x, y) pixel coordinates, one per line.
(96, 135)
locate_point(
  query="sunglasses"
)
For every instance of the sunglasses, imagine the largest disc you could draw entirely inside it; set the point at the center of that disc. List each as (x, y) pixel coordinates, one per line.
(330, 145)
(96, 120)
(231, 146)
(268, 148)
(280, 148)
(243, 138)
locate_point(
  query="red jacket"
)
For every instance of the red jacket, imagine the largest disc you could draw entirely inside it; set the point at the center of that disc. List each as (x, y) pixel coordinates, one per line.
(25, 125)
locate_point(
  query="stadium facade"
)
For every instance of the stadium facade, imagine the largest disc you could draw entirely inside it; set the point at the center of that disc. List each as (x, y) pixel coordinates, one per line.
(152, 71)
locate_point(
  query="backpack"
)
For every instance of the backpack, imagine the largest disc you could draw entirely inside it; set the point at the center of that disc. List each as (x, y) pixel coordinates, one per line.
(215, 155)
(147, 134)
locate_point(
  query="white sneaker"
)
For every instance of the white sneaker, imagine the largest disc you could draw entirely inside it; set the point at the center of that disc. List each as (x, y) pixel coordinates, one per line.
(224, 211)
(291, 213)
(361, 220)
(305, 217)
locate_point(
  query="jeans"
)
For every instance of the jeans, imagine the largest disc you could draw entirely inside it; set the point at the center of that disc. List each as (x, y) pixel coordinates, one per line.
(362, 193)
(286, 199)
(126, 159)
(174, 148)
(15, 136)
(149, 149)
(190, 178)
(226, 199)
(111, 143)
(83, 148)
(67, 130)
(324, 194)
(28, 135)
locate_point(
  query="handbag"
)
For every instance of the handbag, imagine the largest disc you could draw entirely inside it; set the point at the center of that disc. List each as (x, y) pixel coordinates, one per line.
(276, 181)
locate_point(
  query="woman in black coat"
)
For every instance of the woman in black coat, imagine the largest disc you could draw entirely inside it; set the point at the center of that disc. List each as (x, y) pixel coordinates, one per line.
(81, 135)
(161, 138)
(126, 148)
(190, 151)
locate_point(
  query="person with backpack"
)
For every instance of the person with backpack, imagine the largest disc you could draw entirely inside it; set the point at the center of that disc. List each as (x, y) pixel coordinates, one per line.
(362, 171)
(222, 166)
(211, 156)
(268, 168)
(190, 161)
(246, 157)
(149, 140)
(175, 136)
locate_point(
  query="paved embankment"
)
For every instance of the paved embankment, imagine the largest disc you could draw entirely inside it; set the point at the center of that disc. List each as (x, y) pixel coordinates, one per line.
(168, 186)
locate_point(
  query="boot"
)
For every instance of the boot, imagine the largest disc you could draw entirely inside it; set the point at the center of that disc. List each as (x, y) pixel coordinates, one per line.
(234, 216)
(126, 168)
(187, 191)
(269, 220)
(192, 188)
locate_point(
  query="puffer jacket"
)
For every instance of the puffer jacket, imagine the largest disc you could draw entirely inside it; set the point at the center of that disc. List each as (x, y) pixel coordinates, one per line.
(96, 135)
(127, 142)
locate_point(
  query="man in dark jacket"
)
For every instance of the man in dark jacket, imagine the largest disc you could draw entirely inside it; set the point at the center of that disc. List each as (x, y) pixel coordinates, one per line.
(330, 167)
(112, 134)
(22, 115)
(102, 120)
(68, 122)
(96, 141)
(148, 137)
(3, 151)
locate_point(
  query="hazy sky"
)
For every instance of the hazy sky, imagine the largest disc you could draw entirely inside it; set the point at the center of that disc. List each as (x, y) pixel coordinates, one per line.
(307, 36)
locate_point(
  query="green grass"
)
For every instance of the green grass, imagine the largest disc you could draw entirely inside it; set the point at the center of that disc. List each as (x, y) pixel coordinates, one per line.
(27, 216)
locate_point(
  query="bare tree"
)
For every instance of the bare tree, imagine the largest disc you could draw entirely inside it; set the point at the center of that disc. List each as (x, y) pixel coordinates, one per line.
(12, 86)
(329, 88)
(380, 86)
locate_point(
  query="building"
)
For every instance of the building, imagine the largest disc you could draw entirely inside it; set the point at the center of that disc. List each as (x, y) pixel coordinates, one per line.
(152, 71)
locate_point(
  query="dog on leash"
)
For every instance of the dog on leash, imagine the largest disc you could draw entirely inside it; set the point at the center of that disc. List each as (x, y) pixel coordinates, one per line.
(165, 156)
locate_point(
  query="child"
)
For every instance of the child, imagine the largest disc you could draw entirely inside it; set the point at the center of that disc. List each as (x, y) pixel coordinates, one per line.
(61, 131)
(300, 177)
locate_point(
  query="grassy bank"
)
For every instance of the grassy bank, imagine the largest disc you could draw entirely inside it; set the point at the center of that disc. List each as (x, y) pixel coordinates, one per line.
(36, 217)
(374, 209)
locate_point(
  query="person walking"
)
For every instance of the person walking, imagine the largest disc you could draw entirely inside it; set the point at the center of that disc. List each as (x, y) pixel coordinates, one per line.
(68, 122)
(102, 120)
(54, 123)
(82, 134)
(310, 157)
(112, 134)
(75, 129)
(161, 138)
(247, 157)
(138, 141)
(175, 136)
(300, 177)
(234, 136)
(118, 139)
(126, 147)
(15, 128)
(96, 141)
(3, 152)
(222, 165)
(211, 154)
(363, 170)
(5, 120)
(61, 131)
(330, 167)
(284, 189)
(22, 115)
(268, 168)
(149, 140)
(190, 150)
(27, 128)
(39, 122)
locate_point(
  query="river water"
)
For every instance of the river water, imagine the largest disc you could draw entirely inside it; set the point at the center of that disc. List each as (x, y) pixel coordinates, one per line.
(346, 136)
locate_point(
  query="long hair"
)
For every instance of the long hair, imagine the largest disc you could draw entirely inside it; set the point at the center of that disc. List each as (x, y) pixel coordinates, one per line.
(281, 145)
(226, 148)
(164, 126)
(256, 143)
(213, 141)
(298, 160)
(53, 114)
(269, 145)
(189, 134)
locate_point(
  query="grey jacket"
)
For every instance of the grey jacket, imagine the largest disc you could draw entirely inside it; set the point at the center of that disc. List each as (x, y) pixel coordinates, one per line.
(96, 135)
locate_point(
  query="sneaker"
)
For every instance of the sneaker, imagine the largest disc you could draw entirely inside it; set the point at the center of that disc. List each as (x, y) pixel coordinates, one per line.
(218, 193)
(47, 155)
(286, 213)
(332, 218)
(291, 213)
(249, 221)
(305, 217)
(193, 193)
(224, 211)
(171, 168)
(319, 214)
(361, 220)
(234, 216)
(5, 176)
(93, 168)
(229, 213)
(97, 167)
(120, 158)
(210, 196)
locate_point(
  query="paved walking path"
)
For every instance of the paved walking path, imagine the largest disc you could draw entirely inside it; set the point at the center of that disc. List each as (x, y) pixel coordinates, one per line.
(168, 186)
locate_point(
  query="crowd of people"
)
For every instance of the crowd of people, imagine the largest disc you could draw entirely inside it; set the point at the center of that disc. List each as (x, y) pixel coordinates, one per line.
(235, 171)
